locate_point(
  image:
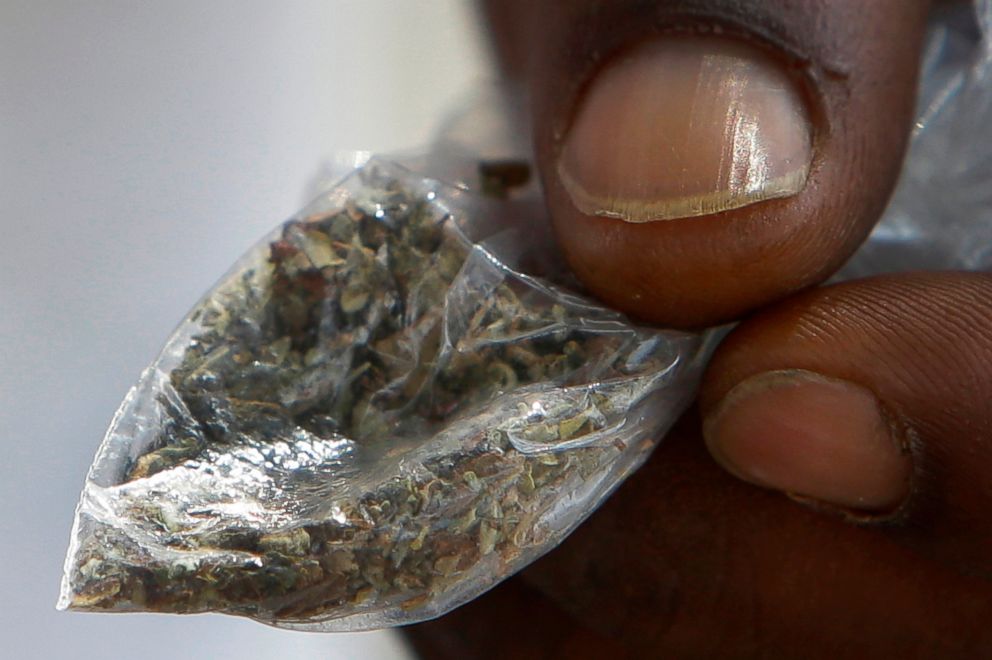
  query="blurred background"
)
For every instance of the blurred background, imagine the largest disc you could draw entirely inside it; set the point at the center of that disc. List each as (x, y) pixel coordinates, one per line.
(143, 147)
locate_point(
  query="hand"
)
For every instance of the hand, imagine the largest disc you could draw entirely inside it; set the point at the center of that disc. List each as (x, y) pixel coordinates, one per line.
(711, 160)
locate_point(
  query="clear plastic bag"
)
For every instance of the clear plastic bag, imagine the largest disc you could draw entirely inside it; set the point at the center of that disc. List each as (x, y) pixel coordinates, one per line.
(940, 216)
(374, 417)
(338, 439)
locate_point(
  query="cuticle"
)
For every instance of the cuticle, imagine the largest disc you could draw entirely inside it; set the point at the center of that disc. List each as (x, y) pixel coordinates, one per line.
(910, 444)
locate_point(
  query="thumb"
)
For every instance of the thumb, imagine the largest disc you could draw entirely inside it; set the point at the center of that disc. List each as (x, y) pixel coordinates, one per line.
(702, 158)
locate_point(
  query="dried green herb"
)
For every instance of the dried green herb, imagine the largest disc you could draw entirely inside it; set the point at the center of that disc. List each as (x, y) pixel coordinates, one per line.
(372, 420)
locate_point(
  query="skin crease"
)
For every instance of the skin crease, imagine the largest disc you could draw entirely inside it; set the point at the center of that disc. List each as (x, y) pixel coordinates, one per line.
(685, 560)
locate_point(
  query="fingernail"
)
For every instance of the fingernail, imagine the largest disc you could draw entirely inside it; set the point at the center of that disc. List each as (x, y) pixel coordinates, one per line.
(810, 435)
(686, 126)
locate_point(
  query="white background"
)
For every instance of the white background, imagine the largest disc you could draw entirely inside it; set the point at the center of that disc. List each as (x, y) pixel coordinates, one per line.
(143, 147)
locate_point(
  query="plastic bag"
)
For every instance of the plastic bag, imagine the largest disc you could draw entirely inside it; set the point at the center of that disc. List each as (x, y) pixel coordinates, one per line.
(335, 439)
(373, 418)
(940, 215)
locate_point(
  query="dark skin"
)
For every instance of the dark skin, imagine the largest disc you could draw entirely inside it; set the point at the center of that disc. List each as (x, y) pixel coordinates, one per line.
(686, 560)
(851, 59)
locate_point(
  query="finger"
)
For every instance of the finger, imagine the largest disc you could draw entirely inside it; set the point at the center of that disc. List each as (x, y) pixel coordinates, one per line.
(704, 157)
(873, 395)
(686, 561)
